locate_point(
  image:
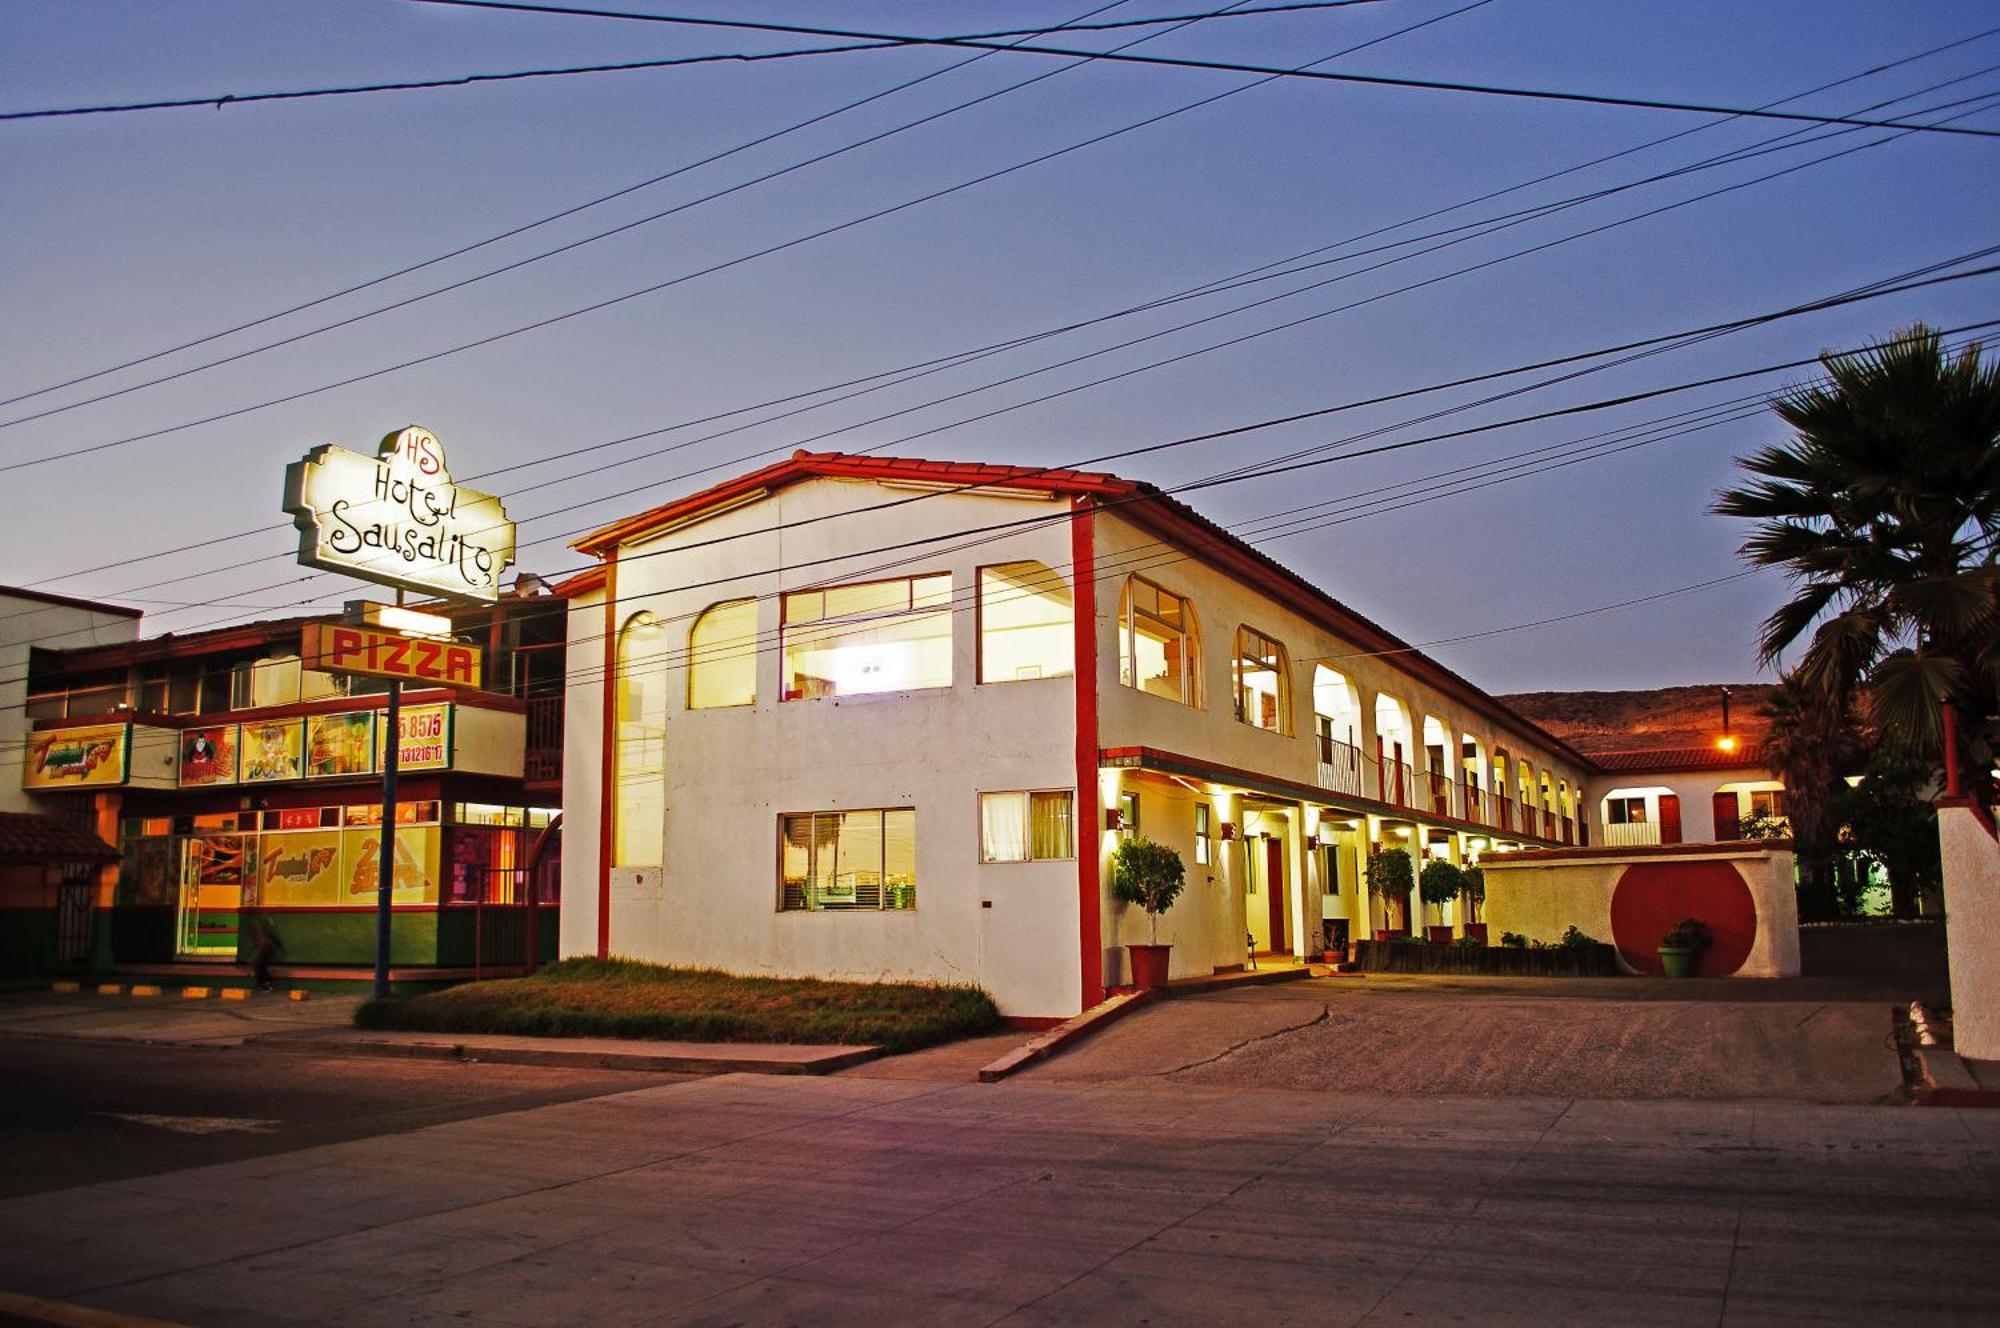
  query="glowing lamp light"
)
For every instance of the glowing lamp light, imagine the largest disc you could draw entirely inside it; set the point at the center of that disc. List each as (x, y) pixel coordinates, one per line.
(1726, 743)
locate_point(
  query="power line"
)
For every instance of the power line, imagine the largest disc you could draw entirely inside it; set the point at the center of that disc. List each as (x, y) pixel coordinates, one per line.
(1231, 477)
(966, 356)
(623, 297)
(1141, 559)
(221, 100)
(1878, 289)
(508, 234)
(1224, 66)
(584, 241)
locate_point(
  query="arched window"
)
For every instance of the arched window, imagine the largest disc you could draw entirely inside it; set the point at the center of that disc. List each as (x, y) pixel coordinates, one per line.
(1336, 713)
(1159, 642)
(722, 656)
(640, 759)
(1027, 626)
(1263, 680)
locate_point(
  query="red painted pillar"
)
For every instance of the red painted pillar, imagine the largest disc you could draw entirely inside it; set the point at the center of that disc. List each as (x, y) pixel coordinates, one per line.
(1090, 817)
(608, 769)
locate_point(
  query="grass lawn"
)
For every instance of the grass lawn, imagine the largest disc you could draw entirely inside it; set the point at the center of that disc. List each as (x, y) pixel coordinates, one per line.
(628, 999)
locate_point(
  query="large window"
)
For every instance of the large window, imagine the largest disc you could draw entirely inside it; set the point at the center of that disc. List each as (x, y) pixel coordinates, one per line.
(1158, 643)
(1027, 827)
(1625, 811)
(844, 861)
(1204, 834)
(1263, 684)
(640, 760)
(722, 656)
(877, 636)
(1026, 623)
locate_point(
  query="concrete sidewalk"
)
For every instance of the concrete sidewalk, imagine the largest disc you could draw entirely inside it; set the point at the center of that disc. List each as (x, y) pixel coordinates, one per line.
(742, 1199)
(591, 1053)
(170, 1017)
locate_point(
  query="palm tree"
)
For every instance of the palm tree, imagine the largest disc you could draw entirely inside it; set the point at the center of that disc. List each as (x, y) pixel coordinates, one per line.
(1811, 746)
(1884, 509)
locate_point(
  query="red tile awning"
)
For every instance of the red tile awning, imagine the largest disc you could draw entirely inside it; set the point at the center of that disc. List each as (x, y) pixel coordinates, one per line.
(28, 840)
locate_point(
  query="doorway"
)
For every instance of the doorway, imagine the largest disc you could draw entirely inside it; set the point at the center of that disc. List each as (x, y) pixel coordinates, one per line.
(211, 896)
(1275, 892)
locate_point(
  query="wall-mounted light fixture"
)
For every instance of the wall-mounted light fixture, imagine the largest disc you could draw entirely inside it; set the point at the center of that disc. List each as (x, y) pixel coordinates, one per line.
(1114, 818)
(1228, 830)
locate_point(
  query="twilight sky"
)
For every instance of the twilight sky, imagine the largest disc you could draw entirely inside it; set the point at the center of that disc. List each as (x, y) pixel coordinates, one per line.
(128, 234)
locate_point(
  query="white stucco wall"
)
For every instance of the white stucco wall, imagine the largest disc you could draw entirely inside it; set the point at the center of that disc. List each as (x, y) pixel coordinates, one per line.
(1540, 898)
(732, 773)
(1972, 930)
(25, 622)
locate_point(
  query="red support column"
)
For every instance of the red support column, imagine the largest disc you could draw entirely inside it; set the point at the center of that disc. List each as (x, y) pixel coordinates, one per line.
(1089, 816)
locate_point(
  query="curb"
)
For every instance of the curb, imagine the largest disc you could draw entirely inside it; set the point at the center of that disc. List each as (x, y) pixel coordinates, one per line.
(570, 1057)
(60, 1314)
(1068, 1032)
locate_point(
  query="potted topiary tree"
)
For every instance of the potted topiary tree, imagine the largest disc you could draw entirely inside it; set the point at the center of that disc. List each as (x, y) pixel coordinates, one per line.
(1391, 876)
(1680, 947)
(1152, 876)
(1438, 884)
(1473, 891)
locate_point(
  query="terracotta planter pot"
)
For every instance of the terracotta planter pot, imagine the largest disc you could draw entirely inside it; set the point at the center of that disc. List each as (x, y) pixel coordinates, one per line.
(1476, 931)
(1438, 935)
(1149, 965)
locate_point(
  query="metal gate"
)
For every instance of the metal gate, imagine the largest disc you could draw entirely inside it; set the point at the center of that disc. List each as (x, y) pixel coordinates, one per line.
(73, 911)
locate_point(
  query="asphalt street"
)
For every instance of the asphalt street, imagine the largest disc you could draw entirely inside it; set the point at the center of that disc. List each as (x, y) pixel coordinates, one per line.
(77, 1111)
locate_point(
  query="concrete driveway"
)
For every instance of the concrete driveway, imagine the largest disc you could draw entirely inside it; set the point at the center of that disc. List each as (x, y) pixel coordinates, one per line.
(1495, 1037)
(749, 1199)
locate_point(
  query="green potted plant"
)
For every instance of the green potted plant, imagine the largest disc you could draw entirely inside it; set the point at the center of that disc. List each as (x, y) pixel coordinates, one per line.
(1391, 875)
(1680, 946)
(1438, 884)
(1152, 876)
(1472, 890)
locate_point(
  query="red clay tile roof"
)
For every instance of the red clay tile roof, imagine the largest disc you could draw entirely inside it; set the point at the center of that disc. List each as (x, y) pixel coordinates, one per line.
(1749, 755)
(30, 840)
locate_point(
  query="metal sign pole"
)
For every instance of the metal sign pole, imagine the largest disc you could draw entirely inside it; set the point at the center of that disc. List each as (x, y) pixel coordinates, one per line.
(385, 871)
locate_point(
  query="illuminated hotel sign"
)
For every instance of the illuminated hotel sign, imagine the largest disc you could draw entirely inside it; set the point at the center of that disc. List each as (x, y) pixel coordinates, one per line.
(397, 518)
(340, 648)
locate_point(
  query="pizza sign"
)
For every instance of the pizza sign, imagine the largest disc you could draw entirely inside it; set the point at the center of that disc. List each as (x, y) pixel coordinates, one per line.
(340, 648)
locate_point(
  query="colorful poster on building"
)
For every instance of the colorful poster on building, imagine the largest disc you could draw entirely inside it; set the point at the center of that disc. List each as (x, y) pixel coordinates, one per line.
(269, 750)
(340, 744)
(299, 869)
(416, 880)
(426, 737)
(88, 757)
(208, 755)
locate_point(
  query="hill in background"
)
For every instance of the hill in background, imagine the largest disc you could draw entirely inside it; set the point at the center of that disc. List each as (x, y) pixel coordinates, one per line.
(1630, 721)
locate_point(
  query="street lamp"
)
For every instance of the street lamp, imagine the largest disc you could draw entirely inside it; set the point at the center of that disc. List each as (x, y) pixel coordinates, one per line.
(1727, 742)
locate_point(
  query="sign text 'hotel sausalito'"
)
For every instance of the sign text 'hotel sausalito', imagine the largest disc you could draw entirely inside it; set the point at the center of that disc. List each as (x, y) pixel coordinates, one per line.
(397, 518)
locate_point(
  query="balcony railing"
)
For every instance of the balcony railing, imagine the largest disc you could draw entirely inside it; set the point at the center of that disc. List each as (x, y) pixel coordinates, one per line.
(1343, 768)
(1631, 834)
(1340, 768)
(543, 764)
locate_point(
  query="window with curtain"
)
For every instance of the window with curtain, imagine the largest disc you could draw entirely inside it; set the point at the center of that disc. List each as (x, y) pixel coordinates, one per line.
(722, 656)
(1026, 623)
(875, 636)
(1263, 689)
(1027, 826)
(1128, 812)
(848, 861)
(1158, 643)
(640, 758)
